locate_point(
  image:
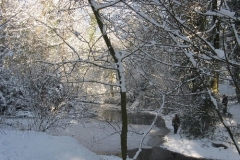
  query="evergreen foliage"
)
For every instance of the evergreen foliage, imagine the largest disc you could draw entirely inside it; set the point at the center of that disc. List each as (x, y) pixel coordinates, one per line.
(200, 119)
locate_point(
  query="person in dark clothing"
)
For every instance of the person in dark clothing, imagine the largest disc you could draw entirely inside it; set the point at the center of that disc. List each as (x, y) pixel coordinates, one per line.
(176, 123)
(225, 102)
(2, 107)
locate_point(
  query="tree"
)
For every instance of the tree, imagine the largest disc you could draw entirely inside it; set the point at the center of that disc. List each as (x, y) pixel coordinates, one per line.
(27, 84)
(233, 44)
(170, 48)
(200, 51)
(197, 45)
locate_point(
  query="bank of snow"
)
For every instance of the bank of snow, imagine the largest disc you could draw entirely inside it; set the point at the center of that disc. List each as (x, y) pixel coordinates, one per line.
(203, 148)
(29, 145)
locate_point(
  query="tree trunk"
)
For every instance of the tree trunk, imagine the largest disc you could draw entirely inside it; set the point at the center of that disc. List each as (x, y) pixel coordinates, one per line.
(216, 44)
(124, 125)
(122, 92)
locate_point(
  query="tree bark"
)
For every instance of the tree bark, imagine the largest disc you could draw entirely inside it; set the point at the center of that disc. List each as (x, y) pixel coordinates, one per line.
(122, 92)
(124, 125)
(216, 46)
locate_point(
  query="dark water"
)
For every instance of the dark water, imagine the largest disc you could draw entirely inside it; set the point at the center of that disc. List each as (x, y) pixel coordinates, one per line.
(140, 118)
(157, 153)
(154, 153)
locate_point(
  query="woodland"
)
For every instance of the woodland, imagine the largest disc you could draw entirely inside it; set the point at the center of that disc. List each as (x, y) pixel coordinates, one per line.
(162, 55)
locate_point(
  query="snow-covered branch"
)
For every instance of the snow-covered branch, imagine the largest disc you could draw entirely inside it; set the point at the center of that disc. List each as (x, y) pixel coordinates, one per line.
(150, 128)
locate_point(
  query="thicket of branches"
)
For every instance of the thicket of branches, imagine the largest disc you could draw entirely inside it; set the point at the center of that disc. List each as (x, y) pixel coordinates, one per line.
(130, 52)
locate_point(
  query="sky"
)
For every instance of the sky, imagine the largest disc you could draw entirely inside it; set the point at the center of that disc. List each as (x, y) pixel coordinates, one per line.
(30, 145)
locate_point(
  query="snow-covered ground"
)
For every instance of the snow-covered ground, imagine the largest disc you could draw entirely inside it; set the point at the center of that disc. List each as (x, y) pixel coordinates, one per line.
(29, 145)
(203, 148)
(83, 140)
(26, 145)
(104, 138)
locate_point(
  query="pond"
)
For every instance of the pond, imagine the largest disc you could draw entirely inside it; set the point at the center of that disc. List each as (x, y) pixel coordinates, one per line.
(144, 118)
(157, 153)
(141, 118)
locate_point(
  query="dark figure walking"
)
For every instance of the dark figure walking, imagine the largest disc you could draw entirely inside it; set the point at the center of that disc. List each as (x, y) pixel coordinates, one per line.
(225, 102)
(2, 107)
(176, 123)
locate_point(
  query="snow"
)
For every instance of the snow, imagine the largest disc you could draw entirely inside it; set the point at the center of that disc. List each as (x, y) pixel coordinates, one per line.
(190, 56)
(84, 140)
(220, 53)
(179, 20)
(101, 137)
(103, 5)
(24, 145)
(202, 148)
(213, 99)
(221, 13)
(226, 89)
(121, 71)
(227, 12)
